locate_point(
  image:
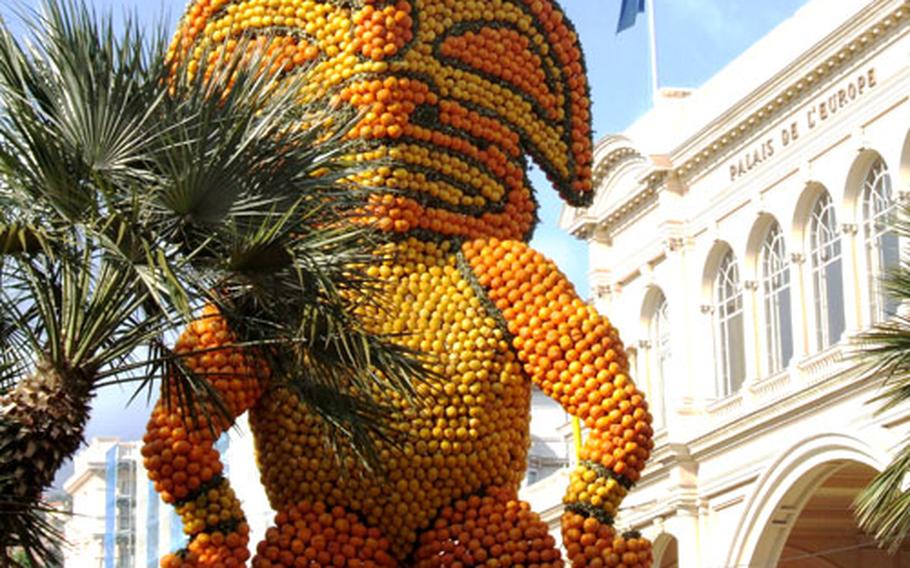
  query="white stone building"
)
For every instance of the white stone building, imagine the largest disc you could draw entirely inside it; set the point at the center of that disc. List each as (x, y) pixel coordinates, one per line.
(737, 240)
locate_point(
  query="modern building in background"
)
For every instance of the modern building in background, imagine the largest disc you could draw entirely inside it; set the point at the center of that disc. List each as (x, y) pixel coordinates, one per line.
(116, 519)
(738, 238)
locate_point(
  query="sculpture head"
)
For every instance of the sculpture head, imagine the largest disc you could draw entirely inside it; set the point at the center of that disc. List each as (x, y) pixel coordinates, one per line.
(457, 92)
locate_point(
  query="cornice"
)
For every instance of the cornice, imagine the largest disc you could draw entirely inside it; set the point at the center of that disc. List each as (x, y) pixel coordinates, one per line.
(582, 224)
(612, 160)
(73, 484)
(792, 92)
(649, 187)
(779, 94)
(629, 206)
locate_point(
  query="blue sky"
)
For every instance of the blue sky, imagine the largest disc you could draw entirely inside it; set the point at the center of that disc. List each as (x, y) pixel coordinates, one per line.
(696, 38)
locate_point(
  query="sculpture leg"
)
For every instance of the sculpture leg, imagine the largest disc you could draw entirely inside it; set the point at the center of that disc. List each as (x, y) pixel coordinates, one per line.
(589, 542)
(312, 534)
(495, 529)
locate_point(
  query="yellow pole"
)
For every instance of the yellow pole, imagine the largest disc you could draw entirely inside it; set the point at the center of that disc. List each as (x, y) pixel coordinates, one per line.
(576, 434)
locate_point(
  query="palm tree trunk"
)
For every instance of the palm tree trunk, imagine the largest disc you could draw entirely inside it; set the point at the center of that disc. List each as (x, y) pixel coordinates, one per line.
(42, 421)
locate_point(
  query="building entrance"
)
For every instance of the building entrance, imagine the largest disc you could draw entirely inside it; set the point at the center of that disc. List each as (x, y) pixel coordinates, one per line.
(814, 525)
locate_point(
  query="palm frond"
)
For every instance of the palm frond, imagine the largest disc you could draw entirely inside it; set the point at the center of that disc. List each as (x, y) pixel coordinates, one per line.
(275, 245)
(31, 537)
(104, 84)
(883, 354)
(80, 108)
(883, 508)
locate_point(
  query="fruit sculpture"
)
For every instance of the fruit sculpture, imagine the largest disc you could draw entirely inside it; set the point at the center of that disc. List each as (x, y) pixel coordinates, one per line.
(454, 94)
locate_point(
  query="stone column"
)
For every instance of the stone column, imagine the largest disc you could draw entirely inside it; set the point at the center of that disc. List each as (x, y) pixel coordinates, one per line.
(752, 333)
(801, 306)
(683, 525)
(682, 390)
(853, 273)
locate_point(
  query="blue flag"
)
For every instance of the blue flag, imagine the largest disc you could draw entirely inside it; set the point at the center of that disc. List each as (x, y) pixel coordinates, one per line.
(630, 9)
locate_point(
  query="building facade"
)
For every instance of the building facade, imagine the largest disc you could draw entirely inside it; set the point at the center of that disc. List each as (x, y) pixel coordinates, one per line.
(737, 239)
(116, 519)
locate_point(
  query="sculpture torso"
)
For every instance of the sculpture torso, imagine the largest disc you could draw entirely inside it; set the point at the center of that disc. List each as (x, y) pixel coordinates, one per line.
(456, 94)
(469, 431)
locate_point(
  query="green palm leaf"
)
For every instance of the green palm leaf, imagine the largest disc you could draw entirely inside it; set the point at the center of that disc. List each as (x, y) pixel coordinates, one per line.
(883, 354)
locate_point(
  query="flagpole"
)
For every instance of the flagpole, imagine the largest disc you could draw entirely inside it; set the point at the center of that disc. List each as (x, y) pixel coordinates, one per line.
(652, 38)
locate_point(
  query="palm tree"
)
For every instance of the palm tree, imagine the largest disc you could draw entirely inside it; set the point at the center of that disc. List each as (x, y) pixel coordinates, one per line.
(883, 507)
(130, 194)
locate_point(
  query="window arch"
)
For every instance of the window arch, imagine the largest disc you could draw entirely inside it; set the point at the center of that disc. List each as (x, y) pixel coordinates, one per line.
(776, 299)
(881, 242)
(660, 352)
(728, 326)
(827, 273)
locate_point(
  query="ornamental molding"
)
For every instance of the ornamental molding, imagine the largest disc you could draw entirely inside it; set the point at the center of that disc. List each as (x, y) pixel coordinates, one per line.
(849, 229)
(673, 236)
(603, 291)
(584, 226)
(825, 380)
(673, 494)
(612, 160)
(583, 220)
(583, 230)
(601, 235)
(792, 93)
(631, 205)
(674, 244)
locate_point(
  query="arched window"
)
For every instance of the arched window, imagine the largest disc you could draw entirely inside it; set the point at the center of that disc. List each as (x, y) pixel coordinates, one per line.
(775, 274)
(882, 248)
(659, 341)
(728, 326)
(827, 273)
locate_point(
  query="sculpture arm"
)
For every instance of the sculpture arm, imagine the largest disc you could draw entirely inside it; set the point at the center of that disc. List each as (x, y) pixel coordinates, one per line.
(576, 357)
(179, 446)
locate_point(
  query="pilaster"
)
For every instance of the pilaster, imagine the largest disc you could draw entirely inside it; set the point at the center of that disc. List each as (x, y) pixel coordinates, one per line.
(684, 523)
(853, 271)
(681, 389)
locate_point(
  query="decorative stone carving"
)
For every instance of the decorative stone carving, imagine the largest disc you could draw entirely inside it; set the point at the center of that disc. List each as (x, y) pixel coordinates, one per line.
(674, 244)
(849, 229)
